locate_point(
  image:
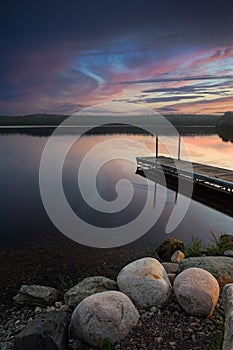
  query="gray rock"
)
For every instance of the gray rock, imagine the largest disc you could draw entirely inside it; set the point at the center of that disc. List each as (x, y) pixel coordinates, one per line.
(228, 252)
(171, 267)
(219, 266)
(171, 277)
(145, 281)
(197, 292)
(87, 287)
(168, 247)
(228, 306)
(38, 310)
(177, 256)
(80, 345)
(49, 331)
(36, 295)
(103, 315)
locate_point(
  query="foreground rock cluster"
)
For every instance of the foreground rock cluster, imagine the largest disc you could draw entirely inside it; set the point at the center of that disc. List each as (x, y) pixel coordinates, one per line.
(101, 312)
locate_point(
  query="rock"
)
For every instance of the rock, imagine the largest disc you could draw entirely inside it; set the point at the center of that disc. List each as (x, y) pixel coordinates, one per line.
(38, 310)
(58, 304)
(103, 315)
(177, 256)
(171, 277)
(49, 331)
(228, 252)
(36, 295)
(226, 239)
(228, 306)
(79, 345)
(219, 266)
(145, 281)
(64, 308)
(172, 344)
(168, 247)
(197, 292)
(87, 287)
(171, 267)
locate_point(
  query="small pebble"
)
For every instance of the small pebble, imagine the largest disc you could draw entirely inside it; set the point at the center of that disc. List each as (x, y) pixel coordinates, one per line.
(153, 309)
(64, 307)
(58, 304)
(38, 310)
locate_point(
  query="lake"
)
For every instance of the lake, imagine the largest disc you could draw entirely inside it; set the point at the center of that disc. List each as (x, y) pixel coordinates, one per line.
(33, 249)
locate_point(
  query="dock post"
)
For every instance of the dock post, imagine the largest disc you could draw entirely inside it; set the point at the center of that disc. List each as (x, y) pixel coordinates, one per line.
(156, 146)
(179, 148)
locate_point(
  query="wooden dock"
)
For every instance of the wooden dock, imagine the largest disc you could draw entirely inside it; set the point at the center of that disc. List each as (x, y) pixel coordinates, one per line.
(212, 186)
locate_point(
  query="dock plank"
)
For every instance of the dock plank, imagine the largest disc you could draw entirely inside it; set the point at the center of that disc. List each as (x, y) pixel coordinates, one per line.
(212, 175)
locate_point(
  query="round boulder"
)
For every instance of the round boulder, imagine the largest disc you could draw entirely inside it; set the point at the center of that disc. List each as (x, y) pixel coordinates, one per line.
(221, 267)
(197, 292)
(145, 281)
(106, 315)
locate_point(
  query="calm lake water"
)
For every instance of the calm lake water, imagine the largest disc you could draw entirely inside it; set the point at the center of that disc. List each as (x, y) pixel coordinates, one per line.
(25, 225)
(22, 212)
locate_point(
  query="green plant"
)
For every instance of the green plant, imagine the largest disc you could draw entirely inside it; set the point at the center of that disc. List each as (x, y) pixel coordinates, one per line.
(65, 282)
(195, 249)
(151, 250)
(106, 344)
(220, 245)
(168, 247)
(104, 264)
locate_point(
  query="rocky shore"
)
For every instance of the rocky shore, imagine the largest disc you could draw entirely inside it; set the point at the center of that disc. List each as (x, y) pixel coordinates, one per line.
(162, 328)
(152, 305)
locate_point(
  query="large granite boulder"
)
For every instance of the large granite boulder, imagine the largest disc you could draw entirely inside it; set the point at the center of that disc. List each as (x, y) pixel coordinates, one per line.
(197, 291)
(107, 315)
(219, 266)
(49, 331)
(145, 281)
(36, 295)
(87, 287)
(228, 306)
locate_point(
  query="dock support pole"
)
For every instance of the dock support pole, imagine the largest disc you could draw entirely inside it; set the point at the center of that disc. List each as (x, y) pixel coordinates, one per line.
(179, 148)
(156, 146)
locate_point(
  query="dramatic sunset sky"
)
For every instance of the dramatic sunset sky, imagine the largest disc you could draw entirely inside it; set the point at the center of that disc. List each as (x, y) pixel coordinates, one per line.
(60, 56)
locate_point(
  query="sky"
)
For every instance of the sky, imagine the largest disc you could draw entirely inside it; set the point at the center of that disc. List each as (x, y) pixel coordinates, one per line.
(62, 56)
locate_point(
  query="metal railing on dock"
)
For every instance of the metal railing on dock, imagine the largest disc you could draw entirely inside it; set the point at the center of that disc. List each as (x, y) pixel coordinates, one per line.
(213, 177)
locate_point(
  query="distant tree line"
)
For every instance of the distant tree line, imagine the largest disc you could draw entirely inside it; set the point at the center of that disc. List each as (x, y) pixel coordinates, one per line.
(226, 121)
(56, 119)
(33, 119)
(178, 120)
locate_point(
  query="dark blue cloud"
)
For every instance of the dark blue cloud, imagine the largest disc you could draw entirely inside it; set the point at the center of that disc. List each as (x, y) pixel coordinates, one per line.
(175, 79)
(167, 99)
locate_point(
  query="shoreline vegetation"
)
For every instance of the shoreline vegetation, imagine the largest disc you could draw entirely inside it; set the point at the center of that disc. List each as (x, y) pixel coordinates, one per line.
(186, 124)
(56, 119)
